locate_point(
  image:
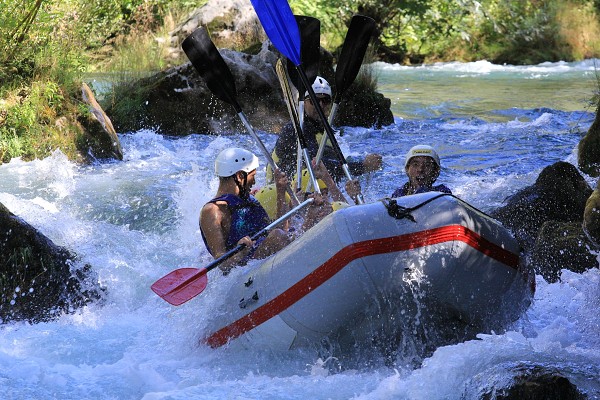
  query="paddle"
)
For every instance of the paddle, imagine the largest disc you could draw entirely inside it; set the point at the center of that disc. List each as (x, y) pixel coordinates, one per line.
(310, 51)
(211, 66)
(351, 57)
(184, 284)
(280, 25)
(310, 54)
(287, 92)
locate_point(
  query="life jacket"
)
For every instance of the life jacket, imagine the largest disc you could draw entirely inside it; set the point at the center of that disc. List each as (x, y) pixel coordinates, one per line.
(403, 190)
(247, 218)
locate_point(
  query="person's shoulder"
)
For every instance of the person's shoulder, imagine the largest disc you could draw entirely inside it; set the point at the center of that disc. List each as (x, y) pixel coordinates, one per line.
(214, 205)
(443, 188)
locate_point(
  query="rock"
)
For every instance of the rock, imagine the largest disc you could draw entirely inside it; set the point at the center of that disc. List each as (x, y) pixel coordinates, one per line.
(101, 139)
(177, 101)
(233, 24)
(562, 245)
(39, 281)
(588, 155)
(559, 194)
(363, 107)
(521, 381)
(591, 216)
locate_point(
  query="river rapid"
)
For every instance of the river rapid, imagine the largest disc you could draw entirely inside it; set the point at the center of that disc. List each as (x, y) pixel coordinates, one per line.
(495, 127)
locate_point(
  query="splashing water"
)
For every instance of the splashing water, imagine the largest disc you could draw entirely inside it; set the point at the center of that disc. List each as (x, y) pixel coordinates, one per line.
(495, 127)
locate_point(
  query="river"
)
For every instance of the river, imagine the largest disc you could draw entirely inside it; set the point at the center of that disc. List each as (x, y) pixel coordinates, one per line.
(495, 127)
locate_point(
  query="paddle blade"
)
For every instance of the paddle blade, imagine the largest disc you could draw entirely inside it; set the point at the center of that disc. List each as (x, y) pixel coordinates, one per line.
(310, 51)
(280, 25)
(181, 285)
(209, 63)
(353, 51)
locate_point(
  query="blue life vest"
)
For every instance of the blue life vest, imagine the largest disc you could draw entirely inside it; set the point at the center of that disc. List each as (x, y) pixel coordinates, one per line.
(247, 218)
(403, 190)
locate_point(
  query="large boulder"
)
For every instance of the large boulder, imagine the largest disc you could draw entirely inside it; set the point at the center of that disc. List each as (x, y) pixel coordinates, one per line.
(588, 155)
(362, 106)
(559, 194)
(177, 101)
(39, 280)
(562, 245)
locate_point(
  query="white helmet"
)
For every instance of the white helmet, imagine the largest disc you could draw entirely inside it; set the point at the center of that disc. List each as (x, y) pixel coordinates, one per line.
(422, 150)
(320, 86)
(234, 159)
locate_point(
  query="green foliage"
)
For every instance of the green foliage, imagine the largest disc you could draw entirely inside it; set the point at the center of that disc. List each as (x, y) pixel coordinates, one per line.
(333, 16)
(522, 31)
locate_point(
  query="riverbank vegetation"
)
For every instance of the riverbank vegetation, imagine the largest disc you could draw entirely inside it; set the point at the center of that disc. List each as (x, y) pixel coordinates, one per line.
(48, 48)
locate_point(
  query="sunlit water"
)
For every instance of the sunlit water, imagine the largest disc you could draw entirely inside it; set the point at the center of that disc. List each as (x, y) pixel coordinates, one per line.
(495, 127)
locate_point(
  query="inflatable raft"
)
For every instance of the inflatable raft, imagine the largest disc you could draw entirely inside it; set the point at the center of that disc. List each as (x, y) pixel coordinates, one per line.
(358, 273)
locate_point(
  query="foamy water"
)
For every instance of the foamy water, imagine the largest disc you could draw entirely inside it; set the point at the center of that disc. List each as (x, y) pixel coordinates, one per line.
(135, 221)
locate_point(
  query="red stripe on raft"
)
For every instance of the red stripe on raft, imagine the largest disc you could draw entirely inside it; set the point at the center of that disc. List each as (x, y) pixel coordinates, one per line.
(350, 253)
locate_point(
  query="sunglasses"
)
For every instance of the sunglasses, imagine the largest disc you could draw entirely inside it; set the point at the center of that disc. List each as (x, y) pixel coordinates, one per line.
(326, 100)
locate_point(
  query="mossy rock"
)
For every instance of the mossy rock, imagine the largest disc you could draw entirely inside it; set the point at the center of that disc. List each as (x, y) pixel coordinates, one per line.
(562, 245)
(588, 157)
(39, 281)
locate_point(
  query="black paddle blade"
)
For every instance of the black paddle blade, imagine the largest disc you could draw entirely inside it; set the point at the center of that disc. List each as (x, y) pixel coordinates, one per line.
(310, 51)
(353, 51)
(209, 63)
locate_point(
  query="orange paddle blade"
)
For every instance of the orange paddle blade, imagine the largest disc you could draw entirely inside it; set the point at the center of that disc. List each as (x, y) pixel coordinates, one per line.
(181, 285)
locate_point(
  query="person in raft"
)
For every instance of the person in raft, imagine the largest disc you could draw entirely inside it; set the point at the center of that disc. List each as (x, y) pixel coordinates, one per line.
(422, 166)
(331, 198)
(285, 151)
(233, 215)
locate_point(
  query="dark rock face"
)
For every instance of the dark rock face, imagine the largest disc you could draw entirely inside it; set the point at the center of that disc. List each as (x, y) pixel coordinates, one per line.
(177, 101)
(562, 245)
(363, 107)
(39, 280)
(559, 194)
(522, 382)
(588, 155)
(546, 219)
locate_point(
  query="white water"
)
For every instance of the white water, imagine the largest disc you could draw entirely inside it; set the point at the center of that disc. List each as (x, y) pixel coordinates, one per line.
(136, 220)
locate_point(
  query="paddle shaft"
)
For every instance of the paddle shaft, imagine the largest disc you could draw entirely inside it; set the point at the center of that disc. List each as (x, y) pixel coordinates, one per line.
(328, 129)
(310, 54)
(287, 92)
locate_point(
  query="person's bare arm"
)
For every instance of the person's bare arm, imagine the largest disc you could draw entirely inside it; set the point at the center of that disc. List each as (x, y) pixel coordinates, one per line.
(281, 184)
(214, 219)
(372, 162)
(353, 189)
